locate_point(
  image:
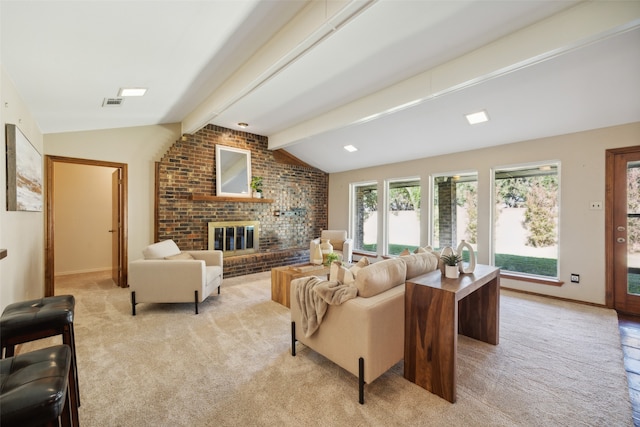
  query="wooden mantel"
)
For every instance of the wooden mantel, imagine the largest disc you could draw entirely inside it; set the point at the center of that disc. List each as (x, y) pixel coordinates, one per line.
(209, 198)
(3, 253)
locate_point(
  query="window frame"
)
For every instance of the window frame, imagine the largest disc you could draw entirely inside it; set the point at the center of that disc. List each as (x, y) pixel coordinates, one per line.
(540, 279)
(352, 213)
(385, 211)
(432, 195)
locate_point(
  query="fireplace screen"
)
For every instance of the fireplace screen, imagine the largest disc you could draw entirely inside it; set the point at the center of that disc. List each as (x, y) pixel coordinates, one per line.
(234, 238)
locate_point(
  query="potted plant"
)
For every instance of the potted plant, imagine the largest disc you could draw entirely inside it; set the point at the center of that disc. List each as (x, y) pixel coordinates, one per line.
(256, 186)
(332, 257)
(451, 265)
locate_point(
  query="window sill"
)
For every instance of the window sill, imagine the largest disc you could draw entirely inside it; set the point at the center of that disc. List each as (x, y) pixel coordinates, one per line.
(531, 279)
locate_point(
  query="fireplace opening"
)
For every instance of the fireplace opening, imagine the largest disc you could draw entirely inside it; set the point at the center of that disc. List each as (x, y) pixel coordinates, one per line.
(234, 237)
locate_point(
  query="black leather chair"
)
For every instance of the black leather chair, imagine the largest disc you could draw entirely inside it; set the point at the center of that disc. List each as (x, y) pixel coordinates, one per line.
(35, 389)
(41, 318)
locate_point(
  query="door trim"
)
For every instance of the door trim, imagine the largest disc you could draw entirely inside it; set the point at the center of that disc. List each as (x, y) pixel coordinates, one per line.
(609, 220)
(49, 257)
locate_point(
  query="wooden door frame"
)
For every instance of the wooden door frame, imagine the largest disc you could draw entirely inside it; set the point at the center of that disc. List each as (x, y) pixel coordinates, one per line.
(609, 221)
(49, 264)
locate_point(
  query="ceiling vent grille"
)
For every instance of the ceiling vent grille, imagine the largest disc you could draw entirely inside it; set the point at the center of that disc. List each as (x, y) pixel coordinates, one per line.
(112, 102)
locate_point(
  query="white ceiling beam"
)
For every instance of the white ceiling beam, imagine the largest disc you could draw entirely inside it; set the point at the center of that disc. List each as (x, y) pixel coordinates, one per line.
(312, 25)
(578, 26)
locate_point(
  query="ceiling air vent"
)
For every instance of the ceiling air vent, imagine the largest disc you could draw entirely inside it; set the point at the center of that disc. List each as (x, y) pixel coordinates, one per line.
(112, 102)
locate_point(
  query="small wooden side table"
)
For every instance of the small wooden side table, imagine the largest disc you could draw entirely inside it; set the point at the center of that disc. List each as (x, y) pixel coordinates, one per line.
(281, 278)
(436, 310)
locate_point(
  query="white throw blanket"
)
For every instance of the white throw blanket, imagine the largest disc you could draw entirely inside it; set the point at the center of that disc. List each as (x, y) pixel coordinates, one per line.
(314, 296)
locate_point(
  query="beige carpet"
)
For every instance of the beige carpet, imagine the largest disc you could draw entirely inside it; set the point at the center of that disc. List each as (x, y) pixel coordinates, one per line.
(558, 364)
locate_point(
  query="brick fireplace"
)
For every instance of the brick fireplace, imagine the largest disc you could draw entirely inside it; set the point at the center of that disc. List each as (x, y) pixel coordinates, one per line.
(293, 212)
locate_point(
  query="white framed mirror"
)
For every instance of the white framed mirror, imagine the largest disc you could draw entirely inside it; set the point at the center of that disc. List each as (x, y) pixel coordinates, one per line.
(233, 171)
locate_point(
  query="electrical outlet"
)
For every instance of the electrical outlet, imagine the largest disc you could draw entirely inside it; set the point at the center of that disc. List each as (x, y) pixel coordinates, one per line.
(575, 278)
(595, 206)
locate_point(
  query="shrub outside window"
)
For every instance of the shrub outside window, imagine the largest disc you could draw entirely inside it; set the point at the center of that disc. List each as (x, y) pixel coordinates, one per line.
(525, 223)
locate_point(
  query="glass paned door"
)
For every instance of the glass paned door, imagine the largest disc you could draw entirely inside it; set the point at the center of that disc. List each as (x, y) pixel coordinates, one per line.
(633, 228)
(623, 228)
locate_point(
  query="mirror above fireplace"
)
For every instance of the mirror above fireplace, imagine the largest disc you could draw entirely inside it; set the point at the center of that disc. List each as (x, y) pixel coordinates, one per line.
(233, 171)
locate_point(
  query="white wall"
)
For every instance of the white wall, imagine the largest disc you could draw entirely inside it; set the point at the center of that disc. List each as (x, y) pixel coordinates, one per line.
(21, 233)
(582, 157)
(82, 214)
(138, 147)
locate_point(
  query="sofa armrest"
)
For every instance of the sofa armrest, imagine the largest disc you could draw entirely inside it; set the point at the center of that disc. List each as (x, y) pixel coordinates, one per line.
(209, 257)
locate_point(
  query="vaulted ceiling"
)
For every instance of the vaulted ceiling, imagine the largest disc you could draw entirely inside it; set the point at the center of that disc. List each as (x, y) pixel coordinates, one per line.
(394, 78)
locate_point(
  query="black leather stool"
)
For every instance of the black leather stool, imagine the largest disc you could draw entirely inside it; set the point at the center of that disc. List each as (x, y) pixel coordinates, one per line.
(41, 318)
(34, 388)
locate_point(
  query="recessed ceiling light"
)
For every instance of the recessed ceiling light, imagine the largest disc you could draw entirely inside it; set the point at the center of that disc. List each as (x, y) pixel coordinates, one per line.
(479, 117)
(243, 125)
(350, 148)
(132, 91)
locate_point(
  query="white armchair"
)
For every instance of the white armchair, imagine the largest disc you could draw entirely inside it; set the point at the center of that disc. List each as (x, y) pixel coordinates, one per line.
(168, 275)
(338, 239)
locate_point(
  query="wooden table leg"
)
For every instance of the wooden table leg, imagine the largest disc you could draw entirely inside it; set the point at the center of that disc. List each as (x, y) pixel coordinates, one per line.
(431, 339)
(478, 315)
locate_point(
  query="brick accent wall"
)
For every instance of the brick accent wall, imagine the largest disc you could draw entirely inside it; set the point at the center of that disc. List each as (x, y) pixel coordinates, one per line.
(188, 167)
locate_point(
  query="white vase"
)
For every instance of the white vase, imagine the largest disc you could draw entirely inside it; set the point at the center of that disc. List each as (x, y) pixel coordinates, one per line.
(472, 258)
(326, 247)
(257, 195)
(316, 256)
(451, 271)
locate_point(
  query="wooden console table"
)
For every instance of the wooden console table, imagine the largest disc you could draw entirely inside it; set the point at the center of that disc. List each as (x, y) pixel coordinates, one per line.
(436, 310)
(281, 278)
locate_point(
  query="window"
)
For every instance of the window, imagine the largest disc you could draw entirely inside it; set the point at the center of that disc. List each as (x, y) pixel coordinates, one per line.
(455, 210)
(403, 215)
(525, 223)
(364, 216)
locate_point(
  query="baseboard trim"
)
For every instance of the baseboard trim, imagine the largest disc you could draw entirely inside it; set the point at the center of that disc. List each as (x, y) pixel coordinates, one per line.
(90, 270)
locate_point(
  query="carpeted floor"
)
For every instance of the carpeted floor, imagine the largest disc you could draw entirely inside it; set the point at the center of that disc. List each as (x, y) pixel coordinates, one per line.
(557, 364)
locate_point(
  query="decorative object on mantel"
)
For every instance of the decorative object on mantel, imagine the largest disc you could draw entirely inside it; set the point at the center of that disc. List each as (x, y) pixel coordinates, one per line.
(233, 172)
(472, 258)
(316, 257)
(451, 265)
(256, 186)
(326, 247)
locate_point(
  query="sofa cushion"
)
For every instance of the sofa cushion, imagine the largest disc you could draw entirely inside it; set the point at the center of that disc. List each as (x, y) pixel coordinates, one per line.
(181, 255)
(362, 262)
(341, 274)
(161, 249)
(380, 276)
(419, 263)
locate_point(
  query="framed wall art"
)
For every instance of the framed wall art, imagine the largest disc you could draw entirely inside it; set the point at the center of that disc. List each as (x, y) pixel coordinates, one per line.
(24, 172)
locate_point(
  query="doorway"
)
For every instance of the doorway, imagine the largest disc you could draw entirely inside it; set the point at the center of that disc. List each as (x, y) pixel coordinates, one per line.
(118, 228)
(622, 231)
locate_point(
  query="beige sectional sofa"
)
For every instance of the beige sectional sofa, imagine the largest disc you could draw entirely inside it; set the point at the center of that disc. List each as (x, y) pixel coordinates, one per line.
(365, 335)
